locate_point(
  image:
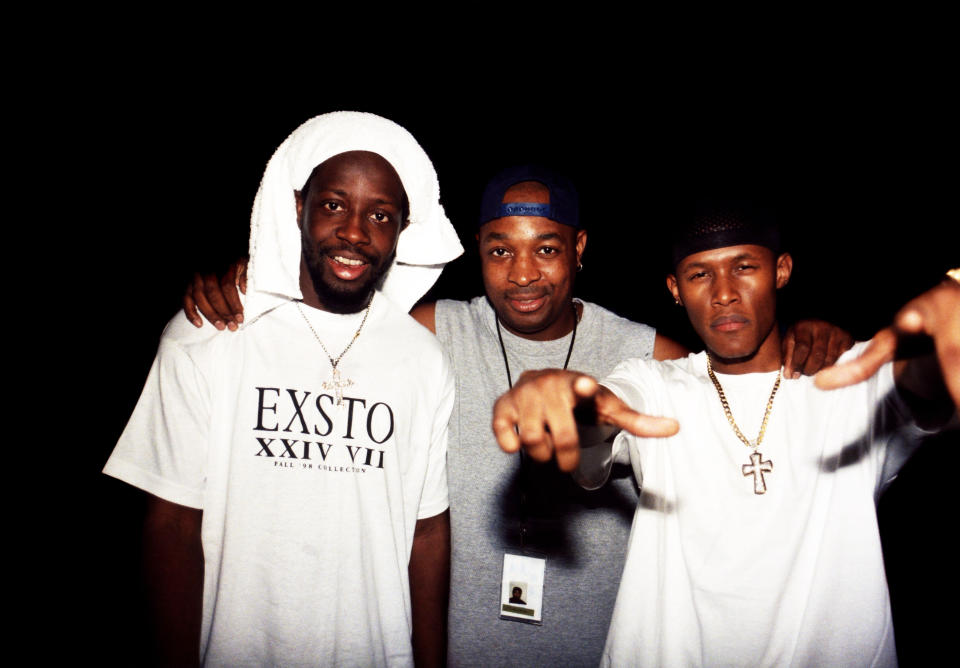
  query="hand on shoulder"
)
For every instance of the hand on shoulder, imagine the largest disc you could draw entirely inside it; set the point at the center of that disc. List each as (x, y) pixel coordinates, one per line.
(218, 300)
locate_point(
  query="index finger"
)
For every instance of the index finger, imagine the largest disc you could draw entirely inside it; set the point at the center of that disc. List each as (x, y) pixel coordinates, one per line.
(880, 351)
(614, 411)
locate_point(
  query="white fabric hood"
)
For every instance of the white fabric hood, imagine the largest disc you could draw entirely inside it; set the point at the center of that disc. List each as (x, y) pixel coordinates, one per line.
(424, 247)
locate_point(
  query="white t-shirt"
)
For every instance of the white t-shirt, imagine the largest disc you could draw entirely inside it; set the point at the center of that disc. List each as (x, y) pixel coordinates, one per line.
(719, 575)
(309, 509)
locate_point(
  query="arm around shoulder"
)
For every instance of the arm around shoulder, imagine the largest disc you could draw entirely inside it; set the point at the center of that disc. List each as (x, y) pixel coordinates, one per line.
(426, 315)
(668, 349)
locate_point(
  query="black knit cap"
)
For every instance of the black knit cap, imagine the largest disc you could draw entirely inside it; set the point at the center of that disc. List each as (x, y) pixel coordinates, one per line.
(718, 224)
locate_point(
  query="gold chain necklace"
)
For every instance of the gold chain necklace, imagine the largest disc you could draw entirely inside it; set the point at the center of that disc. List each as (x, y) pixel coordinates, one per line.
(757, 467)
(336, 384)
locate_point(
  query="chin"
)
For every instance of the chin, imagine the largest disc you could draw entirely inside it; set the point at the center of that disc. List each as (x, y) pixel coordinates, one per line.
(341, 296)
(522, 326)
(344, 299)
(728, 354)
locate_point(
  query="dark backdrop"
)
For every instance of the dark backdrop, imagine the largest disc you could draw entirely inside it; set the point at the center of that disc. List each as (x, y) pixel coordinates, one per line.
(860, 169)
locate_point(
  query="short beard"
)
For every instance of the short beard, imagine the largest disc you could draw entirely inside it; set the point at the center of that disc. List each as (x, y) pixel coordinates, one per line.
(334, 299)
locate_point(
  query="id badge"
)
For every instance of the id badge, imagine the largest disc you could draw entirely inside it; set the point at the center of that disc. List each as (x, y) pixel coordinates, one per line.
(521, 588)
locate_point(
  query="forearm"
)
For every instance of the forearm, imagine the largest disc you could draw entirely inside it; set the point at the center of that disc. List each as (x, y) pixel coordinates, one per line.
(173, 571)
(429, 573)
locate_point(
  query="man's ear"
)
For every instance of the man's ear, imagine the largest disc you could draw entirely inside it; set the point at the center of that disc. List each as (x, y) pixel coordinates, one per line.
(674, 288)
(299, 198)
(784, 269)
(581, 244)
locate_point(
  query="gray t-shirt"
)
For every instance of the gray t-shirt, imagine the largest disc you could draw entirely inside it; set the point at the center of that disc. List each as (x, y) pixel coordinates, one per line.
(582, 534)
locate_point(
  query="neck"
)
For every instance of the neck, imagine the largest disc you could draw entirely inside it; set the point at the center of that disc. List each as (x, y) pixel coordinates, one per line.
(555, 330)
(767, 357)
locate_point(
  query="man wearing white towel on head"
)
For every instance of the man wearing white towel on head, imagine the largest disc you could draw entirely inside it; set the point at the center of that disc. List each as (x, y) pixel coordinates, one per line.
(296, 472)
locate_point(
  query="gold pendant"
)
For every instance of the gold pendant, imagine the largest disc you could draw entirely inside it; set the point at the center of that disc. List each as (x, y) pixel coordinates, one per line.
(757, 467)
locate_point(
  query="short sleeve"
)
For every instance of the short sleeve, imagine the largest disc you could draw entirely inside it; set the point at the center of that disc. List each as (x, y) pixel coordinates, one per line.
(434, 499)
(629, 381)
(597, 460)
(163, 448)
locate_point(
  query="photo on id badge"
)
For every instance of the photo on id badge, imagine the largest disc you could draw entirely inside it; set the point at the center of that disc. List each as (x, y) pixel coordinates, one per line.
(521, 588)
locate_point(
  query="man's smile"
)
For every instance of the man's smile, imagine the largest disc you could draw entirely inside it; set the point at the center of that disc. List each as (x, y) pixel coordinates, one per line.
(527, 303)
(347, 265)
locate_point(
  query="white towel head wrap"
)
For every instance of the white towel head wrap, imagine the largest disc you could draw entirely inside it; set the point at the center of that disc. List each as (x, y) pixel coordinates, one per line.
(424, 247)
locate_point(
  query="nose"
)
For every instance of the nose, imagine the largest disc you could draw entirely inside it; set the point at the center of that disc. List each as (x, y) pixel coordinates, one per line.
(523, 271)
(724, 290)
(354, 229)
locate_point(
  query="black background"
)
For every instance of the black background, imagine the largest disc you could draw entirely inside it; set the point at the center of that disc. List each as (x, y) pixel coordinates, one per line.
(858, 157)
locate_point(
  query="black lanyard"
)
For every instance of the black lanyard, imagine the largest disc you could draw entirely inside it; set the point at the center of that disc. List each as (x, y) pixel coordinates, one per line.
(524, 468)
(503, 350)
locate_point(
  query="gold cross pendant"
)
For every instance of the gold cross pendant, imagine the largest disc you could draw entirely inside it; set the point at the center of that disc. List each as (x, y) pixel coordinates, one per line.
(337, 386)
(757, 467)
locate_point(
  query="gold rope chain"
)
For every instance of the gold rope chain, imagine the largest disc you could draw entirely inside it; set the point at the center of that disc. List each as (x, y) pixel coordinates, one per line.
(726, 407)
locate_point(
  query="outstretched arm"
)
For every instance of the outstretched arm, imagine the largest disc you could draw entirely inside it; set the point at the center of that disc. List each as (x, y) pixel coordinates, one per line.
(173, 570)
(538, 415)
(429, 573)
(936, 314)
(217, 299)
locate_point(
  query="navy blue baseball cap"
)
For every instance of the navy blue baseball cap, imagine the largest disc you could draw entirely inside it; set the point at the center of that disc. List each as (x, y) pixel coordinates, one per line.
(564, 206)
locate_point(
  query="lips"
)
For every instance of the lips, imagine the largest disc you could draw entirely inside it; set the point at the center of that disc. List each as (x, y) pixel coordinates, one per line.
(347, 264)
(526, 303)
(729, 323)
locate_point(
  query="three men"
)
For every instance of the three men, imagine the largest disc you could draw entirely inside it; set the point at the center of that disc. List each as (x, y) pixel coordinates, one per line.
(531, 241)
(755, 540)
(297, 469)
